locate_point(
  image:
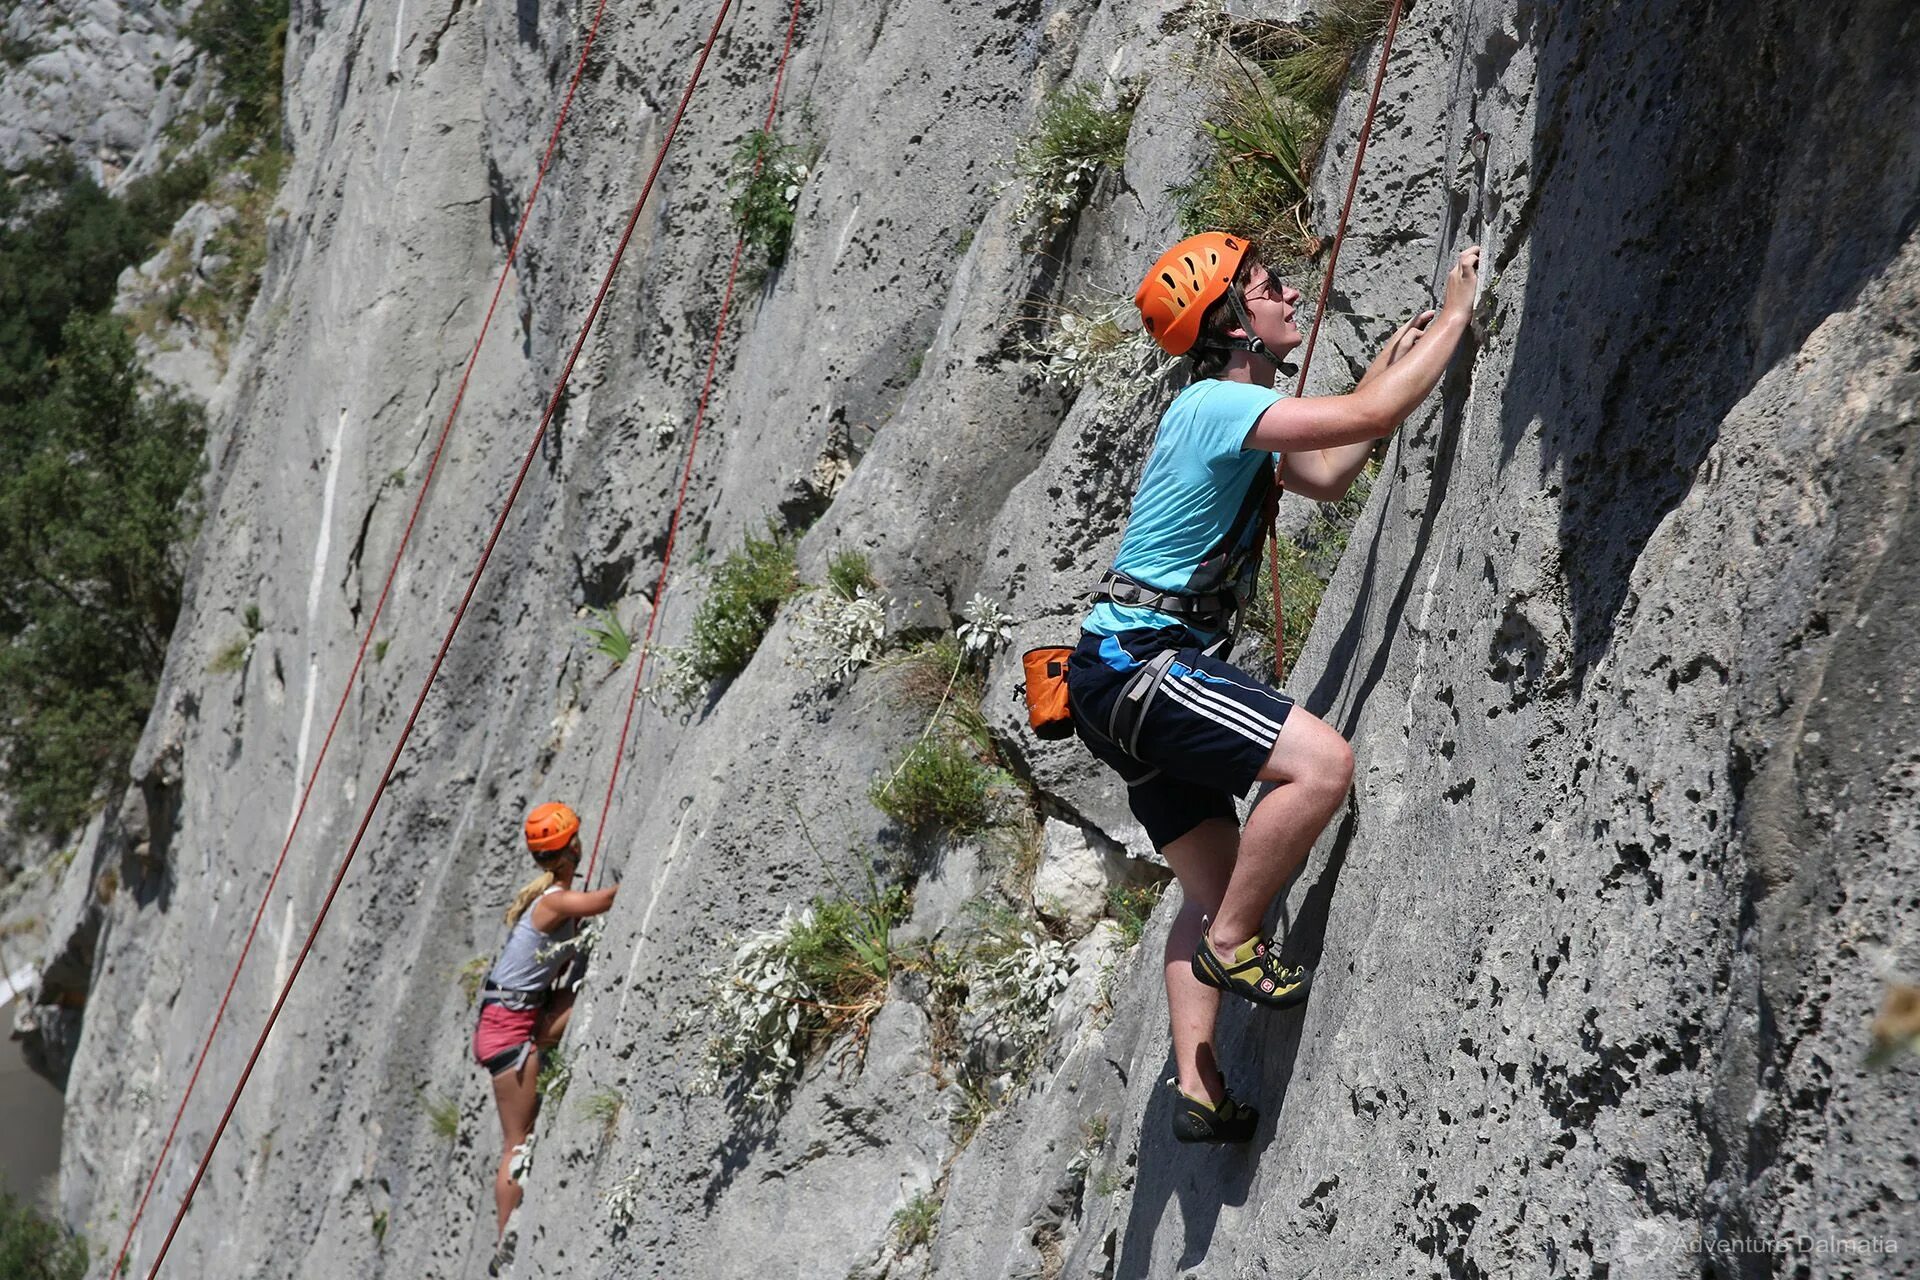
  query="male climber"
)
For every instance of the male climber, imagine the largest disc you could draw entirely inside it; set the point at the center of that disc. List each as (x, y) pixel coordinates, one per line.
(1150, 695)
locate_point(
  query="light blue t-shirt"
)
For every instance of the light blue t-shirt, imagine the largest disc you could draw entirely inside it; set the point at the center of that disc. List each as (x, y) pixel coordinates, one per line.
(1196, 479)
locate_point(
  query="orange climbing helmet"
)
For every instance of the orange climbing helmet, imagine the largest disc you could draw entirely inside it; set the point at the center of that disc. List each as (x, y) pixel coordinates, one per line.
(551, 827)
(1183, 283)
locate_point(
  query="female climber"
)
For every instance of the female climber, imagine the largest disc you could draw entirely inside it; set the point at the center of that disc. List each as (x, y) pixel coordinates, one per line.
(525, 1003)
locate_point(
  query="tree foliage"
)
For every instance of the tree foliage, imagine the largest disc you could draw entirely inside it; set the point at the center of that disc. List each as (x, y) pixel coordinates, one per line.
(93, 473)
(34, 1248)
(247, 40)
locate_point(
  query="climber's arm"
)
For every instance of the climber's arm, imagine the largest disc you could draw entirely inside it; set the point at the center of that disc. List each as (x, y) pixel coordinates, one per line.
(1393, 387)
(571, 904)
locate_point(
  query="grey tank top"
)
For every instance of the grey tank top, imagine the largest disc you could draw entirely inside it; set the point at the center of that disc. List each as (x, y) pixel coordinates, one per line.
(529, 961)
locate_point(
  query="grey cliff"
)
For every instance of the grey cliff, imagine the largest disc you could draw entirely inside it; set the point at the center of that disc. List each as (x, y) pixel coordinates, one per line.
(1621, 643)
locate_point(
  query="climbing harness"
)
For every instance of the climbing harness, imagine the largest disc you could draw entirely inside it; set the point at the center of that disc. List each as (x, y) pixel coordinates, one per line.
(1205, 612)
(366, 638)
(486, 556)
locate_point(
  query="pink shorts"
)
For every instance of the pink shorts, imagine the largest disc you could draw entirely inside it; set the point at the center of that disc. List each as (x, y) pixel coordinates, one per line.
(501, 1041)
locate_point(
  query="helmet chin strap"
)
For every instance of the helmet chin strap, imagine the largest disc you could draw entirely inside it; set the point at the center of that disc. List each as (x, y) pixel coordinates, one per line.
(1250, 343)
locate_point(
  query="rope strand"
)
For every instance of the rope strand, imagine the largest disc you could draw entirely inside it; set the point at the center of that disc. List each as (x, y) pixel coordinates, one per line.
(446, 642)
(686, 473)
(1313, 334)
(366, 638)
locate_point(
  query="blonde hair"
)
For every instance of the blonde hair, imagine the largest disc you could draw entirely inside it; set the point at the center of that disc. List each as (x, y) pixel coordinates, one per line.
(529, 894)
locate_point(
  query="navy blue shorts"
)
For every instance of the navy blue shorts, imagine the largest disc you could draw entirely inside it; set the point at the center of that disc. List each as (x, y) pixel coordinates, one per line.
(1205, 734)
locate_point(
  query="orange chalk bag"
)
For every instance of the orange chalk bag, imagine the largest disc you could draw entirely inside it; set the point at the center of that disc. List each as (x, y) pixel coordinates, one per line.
(1046, 670)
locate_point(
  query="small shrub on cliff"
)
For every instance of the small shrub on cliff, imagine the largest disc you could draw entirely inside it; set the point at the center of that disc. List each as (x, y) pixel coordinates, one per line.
(36, 1248)
(940, 784)
(1257, 184)
(746, 590)
(1094, 344)
(791, 989)
(247, 41)
(951, 778)
(1277, 91)
(1077, 136)
(835, 635)
(843, 626)
(766, 181)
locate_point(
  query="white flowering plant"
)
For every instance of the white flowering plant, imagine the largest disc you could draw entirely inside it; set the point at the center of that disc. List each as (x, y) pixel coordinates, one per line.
(624, 1199)
(987, 627)
(835, 635)
(672, 684)
(1075, 139)
(809, 978)
(1095, 345)
(1013, 984)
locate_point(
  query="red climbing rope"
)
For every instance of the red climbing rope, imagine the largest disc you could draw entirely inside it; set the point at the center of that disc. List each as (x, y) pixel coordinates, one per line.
(366, 639)
(686, 472)
(446, 642)
(1313, 335)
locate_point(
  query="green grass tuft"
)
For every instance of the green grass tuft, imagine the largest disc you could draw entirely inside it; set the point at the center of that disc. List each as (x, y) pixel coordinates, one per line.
(916, 1223)
(603, 1107)
(608, 636)
(1276, 97)
(746, 590)
(849, 573)
(1130, 906)
(230, 659)
(443, 1113)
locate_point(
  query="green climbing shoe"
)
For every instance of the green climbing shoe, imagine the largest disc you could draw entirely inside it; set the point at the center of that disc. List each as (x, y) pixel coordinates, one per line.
(1254, 971)
(1195, 1121)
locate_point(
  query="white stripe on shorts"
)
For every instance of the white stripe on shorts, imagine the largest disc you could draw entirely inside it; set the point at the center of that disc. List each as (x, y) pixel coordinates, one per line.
(1222, 711)
(1206, 680)
(1203, 683)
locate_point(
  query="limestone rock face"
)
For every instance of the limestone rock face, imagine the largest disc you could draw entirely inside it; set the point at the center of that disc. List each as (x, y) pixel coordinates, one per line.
(1620, 644)
(92, 78)
(1077, 872)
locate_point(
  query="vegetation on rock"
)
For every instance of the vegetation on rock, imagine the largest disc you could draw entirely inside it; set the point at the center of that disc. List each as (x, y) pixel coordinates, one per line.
(1276, 91)
(747, 588)
(35, 1248)
(94, 479)
(768, 174)
(1076, 138)
(790, 990)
